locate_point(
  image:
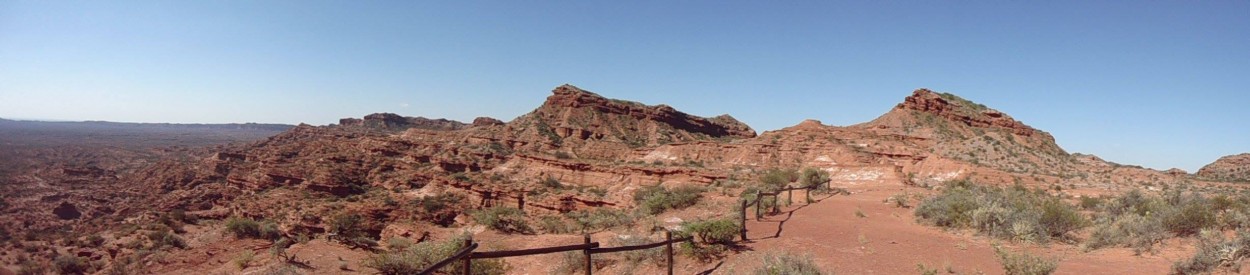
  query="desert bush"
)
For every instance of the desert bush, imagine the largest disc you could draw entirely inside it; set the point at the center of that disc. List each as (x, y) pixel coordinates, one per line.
(901, 200)
(554, 225)
(440, 209)
(1090, 203)
(350, 229)
(787, 264)
(656, 199)
(1189, 215)
(1140, 233)
(635, 257)
(244, 259)
(1215, 252)
(717, 231)
(269, 231)
(504, 219)
(398, 244)
(419, 256)
(1014, 213)
(163, 239)
(67, 264)
(1025, 264)
(29, 267)
(815, 178)
(600, 218)
(243, 227)
(94, 240)
(775, 179)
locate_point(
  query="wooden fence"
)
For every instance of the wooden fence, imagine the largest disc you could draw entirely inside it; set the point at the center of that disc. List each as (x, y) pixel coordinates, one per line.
(588, 248)
(759, 198)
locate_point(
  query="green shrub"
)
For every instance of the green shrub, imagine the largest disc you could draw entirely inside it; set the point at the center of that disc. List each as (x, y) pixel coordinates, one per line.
(440, 209)
(269, 231)
(775, 179)
(654, 200)
(1090, 203)
(787, 264)
(419, 256)
(554, 225)
(504, 219)
(1059, 218)
(718, 231)
(244, 259)
(1014, 213)
(350, 229)
(600, 218)
(815, 178)
(1189, 216)
(162, 239)
(29, 267)
(243, 227)
(635, 257)
(1140, 233)
(1025, 264)
(1214, 252)
(66, 264)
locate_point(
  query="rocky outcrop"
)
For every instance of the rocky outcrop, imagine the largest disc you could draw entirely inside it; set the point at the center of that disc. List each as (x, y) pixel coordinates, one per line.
(1176, 172)
(574, 115)
(954, 108)
(391, 121)
(1228, 168)
(486, 121)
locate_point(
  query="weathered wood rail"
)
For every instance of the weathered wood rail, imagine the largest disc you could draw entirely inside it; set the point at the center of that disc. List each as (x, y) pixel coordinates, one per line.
(466, 254)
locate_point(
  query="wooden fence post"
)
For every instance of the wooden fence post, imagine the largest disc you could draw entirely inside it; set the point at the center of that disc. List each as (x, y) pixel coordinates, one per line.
(759, 201)
(807, 196)
(668, 237)
(743, 219)
(589, 267)
(468, 264)
(520, 201)
(776, 204)
(789, 196)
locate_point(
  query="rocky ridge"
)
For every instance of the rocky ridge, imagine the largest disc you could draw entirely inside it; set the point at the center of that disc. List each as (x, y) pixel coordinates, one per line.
(1228, 168)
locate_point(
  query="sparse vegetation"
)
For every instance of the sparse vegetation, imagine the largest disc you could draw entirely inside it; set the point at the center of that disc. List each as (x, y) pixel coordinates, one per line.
(787, 264)
(244, 259)
(1214, 251)
(716, 231)
(816, 179)
(504, 219)
(656, 199)
(163, 239)
(421, 255)
(243, 227)
(712, 238)
(1014, 213)
(439, 209)
(67, 264)
(1025, 264)
(776, 179)
(349, 229)
(1140, 221)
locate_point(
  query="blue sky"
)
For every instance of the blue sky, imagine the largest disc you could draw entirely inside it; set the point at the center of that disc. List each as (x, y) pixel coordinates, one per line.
(1160, 84)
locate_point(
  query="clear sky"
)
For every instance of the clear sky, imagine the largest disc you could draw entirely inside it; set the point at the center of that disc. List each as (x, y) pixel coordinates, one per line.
(1155, 83)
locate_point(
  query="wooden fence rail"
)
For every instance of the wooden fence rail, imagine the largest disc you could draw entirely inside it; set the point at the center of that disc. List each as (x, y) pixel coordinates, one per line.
(466, 254)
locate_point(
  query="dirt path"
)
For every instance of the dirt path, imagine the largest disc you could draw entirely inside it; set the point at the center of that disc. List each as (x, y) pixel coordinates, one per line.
(887, 240)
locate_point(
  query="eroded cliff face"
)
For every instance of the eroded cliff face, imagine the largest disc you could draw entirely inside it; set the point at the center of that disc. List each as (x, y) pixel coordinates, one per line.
(573, 117)
(1228, 168)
